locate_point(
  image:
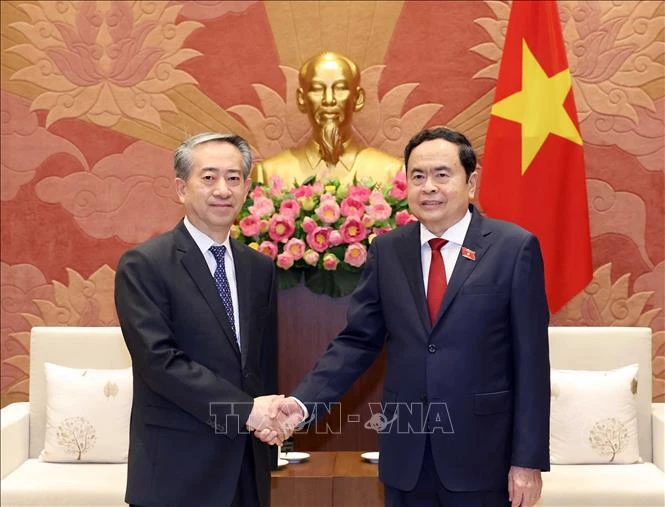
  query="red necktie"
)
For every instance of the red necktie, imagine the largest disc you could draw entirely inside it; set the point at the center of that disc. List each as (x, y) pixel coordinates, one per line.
(436, 283)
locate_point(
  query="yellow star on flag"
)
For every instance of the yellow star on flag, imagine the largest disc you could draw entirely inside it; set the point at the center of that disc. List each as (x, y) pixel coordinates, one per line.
(538, 107)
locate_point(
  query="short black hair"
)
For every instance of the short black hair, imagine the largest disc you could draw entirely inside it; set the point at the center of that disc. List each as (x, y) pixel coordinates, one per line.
(467, 156)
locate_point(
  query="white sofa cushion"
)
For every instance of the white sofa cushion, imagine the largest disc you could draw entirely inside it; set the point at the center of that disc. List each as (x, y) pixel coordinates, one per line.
(39, 483)
(594, 416)
(87, 414)
(640, 484)
(605, 348)
(75, 347)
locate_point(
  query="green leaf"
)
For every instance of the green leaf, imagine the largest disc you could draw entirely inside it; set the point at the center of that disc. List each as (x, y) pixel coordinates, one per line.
(288, 279)
(335, 284)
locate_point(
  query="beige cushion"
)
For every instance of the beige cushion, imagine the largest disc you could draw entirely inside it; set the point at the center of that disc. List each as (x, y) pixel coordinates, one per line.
(606, 348)
(594, 416)
(75, 347)
(87, 414)
(641, 484)
(39, 483)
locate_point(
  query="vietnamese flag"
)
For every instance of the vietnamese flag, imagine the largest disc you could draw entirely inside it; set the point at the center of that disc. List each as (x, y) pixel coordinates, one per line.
(533, 166)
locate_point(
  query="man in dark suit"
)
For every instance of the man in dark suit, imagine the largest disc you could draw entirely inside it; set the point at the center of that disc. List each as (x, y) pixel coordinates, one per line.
(198, 313)
(458, 300)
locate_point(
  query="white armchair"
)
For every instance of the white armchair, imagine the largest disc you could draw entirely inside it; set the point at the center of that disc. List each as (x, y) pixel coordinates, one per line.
(639, 484)
(25, 479)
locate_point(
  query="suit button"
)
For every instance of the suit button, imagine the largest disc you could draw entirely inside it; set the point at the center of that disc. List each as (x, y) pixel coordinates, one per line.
(432, 348)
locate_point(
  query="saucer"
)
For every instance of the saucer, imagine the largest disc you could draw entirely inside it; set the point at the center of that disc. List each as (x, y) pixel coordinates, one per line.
(281, 463)
(372, 457)
(294, 457)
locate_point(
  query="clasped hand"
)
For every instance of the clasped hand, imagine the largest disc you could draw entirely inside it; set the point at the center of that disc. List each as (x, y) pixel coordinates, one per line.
(274, 418)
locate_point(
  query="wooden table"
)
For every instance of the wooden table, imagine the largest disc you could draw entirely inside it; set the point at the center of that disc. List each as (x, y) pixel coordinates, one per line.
(327, 479)
(356, 482)
(308, 484)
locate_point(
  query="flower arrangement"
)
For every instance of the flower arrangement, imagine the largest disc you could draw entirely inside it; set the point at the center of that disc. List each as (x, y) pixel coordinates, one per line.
(320, 230)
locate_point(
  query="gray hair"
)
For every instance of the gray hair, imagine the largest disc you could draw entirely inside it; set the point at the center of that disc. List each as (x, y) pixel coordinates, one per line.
(183, 159)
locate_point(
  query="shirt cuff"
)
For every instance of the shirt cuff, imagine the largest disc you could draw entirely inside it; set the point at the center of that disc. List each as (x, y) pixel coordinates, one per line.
(303, 407)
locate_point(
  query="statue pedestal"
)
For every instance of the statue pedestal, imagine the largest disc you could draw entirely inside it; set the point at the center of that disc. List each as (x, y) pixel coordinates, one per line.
(307, 322)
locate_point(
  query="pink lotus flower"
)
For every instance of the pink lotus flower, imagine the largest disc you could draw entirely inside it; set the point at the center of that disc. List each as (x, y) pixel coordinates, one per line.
(328, 210)
(318, 239)
(317, 187)
(250, 225)
(264, 226)
(360, 193)
(309, 224)
(327, 197)
(376, 196)
(330, 262)
(353, 230)
(285, 260)
(398, 190)
(256, 193)
(295, 247)
(304, 191)
(290, 207)
(263, 207)
(268, 248)
(382, 230)
(404, 217)
(380, 210)
(368, 221)
(281, 228)
(276, 185)
(352, 207)
(311, 257)
(335, 238)
(356, 255)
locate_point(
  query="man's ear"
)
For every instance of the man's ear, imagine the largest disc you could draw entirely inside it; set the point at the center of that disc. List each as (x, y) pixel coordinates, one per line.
(300, 98)
(473, 184)
(360, 99)
(247, 185)
(180, 185)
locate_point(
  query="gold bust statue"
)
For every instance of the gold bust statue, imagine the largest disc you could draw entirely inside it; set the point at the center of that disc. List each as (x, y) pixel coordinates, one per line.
(329, 93)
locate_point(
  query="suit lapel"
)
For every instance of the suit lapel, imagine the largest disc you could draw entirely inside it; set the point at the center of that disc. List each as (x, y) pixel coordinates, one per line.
(244, 284)
(476, 240)
(408, 251)
(195, 264)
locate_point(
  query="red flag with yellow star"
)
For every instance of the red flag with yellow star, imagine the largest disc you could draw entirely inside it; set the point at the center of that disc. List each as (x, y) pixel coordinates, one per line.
(533, 166)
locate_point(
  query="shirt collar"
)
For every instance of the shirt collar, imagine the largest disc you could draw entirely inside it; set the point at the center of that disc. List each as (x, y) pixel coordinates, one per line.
(454, 234)
(347, 159)
(203, 241)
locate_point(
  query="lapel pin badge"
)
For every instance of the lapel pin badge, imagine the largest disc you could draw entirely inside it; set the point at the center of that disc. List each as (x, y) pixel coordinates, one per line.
(469, 254)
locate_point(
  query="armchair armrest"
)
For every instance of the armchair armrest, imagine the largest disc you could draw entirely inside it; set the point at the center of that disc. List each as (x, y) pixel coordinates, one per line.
(658, 434)
(14, 437)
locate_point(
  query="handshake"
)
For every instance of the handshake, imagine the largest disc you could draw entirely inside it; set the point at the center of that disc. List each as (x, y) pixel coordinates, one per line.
(274, 418)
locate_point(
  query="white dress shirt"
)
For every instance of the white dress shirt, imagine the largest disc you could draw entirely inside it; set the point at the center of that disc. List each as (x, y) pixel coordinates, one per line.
(455, 235)
(204, 242)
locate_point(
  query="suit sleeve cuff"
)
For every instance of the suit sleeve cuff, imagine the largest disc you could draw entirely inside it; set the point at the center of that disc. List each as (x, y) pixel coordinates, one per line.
(303, 408)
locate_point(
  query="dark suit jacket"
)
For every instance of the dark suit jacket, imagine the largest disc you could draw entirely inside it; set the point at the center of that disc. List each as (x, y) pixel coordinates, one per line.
(481, 372)
(186, 444)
